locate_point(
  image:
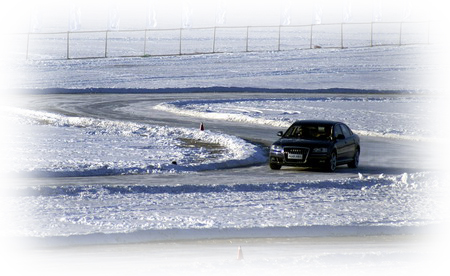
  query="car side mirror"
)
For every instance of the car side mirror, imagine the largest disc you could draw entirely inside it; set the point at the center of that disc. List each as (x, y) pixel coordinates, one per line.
(340, 137)
(280, 133)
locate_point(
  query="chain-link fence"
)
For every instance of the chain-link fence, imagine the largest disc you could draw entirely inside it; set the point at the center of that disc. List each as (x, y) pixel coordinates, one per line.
(188, 41)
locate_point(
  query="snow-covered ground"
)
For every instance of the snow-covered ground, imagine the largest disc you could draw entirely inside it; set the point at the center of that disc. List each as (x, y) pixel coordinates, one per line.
(365, 205)
(62, 145)
(78, 146)
(66, 145)
(127, 189)
(384, 116)
(410, 68)
(382, 255)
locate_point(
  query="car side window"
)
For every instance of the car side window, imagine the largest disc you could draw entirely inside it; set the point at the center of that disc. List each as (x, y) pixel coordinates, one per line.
(337, 131)
(346, 131)
(293, 131)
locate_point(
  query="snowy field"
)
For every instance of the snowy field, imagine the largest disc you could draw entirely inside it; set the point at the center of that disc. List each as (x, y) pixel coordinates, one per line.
(409, 68)
(128, 179)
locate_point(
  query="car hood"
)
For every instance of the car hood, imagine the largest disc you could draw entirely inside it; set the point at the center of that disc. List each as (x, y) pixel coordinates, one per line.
(302, 143)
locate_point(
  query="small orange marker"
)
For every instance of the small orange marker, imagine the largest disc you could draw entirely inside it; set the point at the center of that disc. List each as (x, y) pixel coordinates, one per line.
(240, 255)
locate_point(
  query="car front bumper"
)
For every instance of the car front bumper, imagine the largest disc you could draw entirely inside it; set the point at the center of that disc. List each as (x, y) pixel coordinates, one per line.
(311, 160)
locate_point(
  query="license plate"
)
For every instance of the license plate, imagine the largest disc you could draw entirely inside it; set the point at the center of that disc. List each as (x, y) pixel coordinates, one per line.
(295, 156)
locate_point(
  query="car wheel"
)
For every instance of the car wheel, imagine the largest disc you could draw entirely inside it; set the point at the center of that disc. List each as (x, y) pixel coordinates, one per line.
(332, 162)
(275, 166)
(354, 164)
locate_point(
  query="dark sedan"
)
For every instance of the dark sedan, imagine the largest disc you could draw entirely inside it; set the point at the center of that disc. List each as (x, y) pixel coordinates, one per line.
(314, 143)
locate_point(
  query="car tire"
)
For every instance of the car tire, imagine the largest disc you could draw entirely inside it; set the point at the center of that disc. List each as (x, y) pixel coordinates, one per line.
(275, 166)
(354, 164)
(332, 162)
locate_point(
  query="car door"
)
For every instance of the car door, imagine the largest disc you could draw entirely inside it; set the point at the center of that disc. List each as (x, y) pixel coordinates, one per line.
(339, 139)
(349, 147)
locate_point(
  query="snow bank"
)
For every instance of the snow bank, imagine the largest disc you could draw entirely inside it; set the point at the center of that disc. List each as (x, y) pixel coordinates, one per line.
(105, 213)
(60, 145)
(384, 116)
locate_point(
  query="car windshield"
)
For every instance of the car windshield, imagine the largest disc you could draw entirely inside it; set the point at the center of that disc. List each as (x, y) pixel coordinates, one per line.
(309, 132)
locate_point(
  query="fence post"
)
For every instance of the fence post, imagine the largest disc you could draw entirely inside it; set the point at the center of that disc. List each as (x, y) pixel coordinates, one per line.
(311, 37)
(342, 35)
(371, 34)
(28, 45)
(246, 41)
(279, 38)
(145, 41)
(68, 45)
(106, 44)
(214, 40)
(181, 31)
(400, 36)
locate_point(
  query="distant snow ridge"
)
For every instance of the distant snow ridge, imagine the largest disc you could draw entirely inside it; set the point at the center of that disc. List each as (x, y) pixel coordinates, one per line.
(384, 116)
(61, 145)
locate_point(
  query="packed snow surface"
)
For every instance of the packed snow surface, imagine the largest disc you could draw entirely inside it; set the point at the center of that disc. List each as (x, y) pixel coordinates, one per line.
(139, 175)
(62, 145)
(198, 203)
(362, 202)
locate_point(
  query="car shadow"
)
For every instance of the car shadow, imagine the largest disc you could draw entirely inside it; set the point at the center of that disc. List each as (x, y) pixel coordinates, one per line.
(345, 170)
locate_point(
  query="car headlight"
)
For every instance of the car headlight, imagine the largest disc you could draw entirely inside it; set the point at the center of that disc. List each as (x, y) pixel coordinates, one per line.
(320, 150)
(276, 148)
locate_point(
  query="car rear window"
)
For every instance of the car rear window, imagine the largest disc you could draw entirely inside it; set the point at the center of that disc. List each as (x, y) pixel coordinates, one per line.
(347, 132)
(337, 131)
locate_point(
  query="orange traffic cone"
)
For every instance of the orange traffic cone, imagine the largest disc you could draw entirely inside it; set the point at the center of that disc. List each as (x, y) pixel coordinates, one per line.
(240, 255)
(202, 127)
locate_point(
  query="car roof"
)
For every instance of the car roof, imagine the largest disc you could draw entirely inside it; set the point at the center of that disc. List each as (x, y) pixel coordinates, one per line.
(316, 122)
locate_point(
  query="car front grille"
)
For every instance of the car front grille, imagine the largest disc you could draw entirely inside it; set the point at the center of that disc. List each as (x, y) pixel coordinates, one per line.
(296, 154)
